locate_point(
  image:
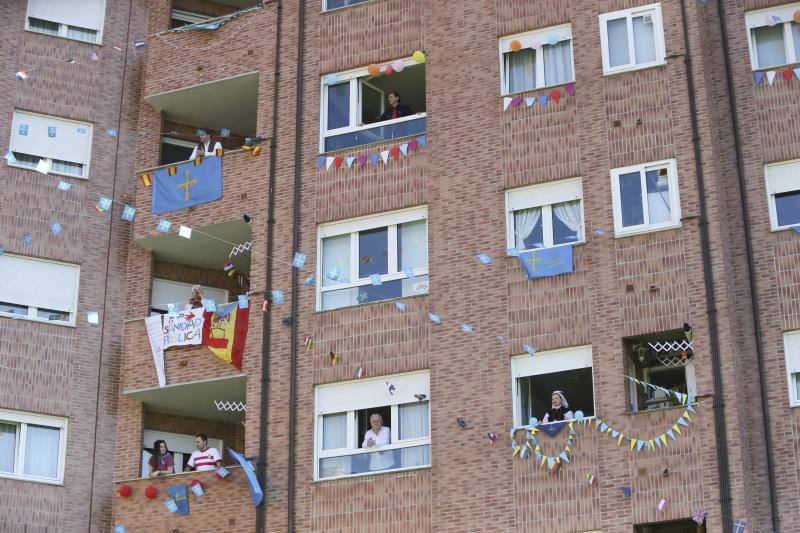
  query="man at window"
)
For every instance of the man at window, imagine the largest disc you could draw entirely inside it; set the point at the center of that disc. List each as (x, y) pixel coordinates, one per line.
(205, 148)
(378, 435)
(396, 109)
(559, 409)
(204, 458)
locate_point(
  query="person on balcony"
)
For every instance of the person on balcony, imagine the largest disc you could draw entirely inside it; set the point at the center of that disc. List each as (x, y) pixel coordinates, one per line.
(396, 109)
(559, 409)
(197, 297)
(161, 462)
(206, 147)
(378, 435)
(204, 458)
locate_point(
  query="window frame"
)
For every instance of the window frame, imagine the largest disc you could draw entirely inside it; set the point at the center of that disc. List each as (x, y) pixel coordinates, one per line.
(778, 188)
(353, 77)
(544, 196)
(539, 35)
(352, 226)
(73, 123)
(674, 197)
(756, 19)
(33, 310)
(551, 361)
(22, 420)
(353, 447)
(628, 14)
(791, 354)
(324, 6)
(64, 28)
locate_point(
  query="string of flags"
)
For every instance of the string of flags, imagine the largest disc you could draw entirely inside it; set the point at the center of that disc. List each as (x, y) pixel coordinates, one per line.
(554, 96)
(788, 74)
(353, 162)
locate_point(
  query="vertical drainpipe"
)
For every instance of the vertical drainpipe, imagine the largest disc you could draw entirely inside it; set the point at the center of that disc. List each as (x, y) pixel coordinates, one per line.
(721, 437)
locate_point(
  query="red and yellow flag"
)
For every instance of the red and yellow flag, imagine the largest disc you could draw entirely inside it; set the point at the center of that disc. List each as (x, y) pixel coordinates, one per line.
(220, 151)
(172, 171)
(225, 333)
(147, 179)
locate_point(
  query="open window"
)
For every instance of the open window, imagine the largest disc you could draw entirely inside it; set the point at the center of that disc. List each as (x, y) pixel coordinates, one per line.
(535, 378)
(773, 36)
(342, 426)
(673, 526)
(356, 108)
(783, 189)
(544, 59)
(665, 359)
(645, 198)
(372, 258)
(632, 39)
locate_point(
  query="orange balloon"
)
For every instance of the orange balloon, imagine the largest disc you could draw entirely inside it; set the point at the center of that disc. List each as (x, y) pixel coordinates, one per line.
(515, 45)
(796, 16)
(373, 69)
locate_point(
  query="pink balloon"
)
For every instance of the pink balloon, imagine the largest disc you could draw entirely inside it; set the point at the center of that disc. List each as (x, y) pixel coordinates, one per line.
(398, 66)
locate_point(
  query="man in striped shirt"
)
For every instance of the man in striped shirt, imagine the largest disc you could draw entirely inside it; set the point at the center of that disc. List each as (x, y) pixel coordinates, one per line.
(204, 458)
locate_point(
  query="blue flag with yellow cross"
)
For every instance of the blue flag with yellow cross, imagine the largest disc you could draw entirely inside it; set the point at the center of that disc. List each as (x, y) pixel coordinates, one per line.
(544, 262)
(186, 184)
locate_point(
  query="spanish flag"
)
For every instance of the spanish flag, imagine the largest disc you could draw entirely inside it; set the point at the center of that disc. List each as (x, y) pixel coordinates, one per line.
(256, 151)
(220, 151)
(172, 171)
(198, 160)
(225, 332)
(147, 179)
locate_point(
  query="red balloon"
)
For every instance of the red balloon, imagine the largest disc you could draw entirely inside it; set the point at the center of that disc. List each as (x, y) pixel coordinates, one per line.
(388, 70)
(151, 492)
(555, 95)
(125, 490)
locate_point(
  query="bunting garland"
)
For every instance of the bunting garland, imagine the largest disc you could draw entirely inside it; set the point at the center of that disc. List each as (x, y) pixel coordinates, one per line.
(788, 74)
(354, 162)
(510, 102)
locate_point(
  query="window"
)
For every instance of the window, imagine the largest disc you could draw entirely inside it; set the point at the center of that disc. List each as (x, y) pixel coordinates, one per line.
(544, 215)
(773, 41)
(673, 526)
(32, 447)
(632, 39)
(663, 359)
(645, 198)
(535, 378)
(783, 190)
(342, 419)
(356, 110)
(165, 292)
(180, 18)
(545, 59)
(65, 144)
(175, 150)
(391, 247)
(327, 5)
(37, 289)
(81, 20)
(791, 349)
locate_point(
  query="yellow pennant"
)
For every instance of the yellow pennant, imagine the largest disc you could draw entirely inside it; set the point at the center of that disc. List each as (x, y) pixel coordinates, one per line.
(663, 438)
(528, 444)
(686, 416)
(677, 429)
(609, 430)
(516, 450)
(619, 439)
(683, 398)
(652, 444)
(633, 443)
(537, 448)
(570, 425)
(567, 449)
(544, 460)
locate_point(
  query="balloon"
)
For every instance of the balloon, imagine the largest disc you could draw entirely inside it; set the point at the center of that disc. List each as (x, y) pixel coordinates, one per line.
(515, 45)
(535, 44)
(330, 79)
(578, 415)
(388, 70)
(151, 492)
(555, 95)
(796, 16)
(418, 56)
(125, 490)
(398, 66)
(533, 421)
(373, 69)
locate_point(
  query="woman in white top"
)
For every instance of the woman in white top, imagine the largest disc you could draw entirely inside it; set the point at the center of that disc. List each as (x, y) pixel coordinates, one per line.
(560, 409)
(378, 435)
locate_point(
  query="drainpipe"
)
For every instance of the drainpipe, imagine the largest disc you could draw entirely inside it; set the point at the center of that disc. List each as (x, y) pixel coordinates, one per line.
(721, 438)
(261, 467)
(298, 143)
(748, 240)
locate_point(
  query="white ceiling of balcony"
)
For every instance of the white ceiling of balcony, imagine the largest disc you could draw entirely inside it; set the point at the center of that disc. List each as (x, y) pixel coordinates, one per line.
(209, 246)
(195, 399)
(229, 103)
(238, 3)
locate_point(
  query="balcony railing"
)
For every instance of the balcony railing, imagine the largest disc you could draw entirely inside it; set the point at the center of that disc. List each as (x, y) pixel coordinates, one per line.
(372, 133)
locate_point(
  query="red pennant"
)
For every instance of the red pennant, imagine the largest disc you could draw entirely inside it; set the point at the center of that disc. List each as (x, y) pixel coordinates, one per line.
(787, 74)
(337, 161)
(555, 95)
(395, 152)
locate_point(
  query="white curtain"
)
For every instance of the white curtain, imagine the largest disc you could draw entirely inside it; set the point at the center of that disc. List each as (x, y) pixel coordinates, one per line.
(8, 443)
(414, 423)
(617, 31)
(570, 214)
(412, 239)
(658, 197)
(41, 451)
(525, 221)
(521, 70)
(557, 63)
(644, 39)
(769, 45)
(334, 435)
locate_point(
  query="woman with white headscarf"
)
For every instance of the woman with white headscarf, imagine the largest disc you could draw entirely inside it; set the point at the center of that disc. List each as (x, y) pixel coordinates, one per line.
(559, 410)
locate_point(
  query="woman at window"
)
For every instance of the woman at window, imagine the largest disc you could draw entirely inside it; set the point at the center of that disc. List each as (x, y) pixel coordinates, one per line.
(197, 297)
(378, 435)
(559, 409)
(161, 462)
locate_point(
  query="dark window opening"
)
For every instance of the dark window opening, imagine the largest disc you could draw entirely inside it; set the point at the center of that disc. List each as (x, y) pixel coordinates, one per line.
(676, 526)
(662, 359)
(535, 392)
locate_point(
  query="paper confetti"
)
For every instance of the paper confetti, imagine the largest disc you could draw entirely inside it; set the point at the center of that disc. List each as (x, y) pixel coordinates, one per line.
(400, 306)
(185, 232)
(277, 297)
(484, 258)
(128, 212)
(462, 424)
(55, 228)
(43, 166)
(433, 317)
(299, 260)
(93, 317)
(27, 239)
(530, 349)
(467, 328)
(163, 225)
(309, 281)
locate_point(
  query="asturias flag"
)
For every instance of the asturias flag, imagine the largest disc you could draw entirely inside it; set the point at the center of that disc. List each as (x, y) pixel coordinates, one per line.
(225, 331)
(189, 184)
(544, 262)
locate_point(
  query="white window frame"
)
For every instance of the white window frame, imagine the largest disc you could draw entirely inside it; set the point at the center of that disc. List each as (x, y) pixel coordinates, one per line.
(63, 28)
(549, 362)
(757, 19)
(674, 198)
(33, 310)
(544, 195)
(73, 123)
(527, 39)
(353, 77)
(777, 183)
(353, 226)
(326, 10)
(791, 353)
(421, 380)
(188, 16)
(22, 420)
(628, 14)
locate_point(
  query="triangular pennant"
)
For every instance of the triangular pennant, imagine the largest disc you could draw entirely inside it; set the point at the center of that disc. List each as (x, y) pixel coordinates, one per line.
(373, 159)
(412, 145)
(663, 439)
(603, 427)
(758, 76)
(619, 440)
(551, 462)
(529, 101)
(686, 416)
(506, 102)
(329, 162)
(683, 422)
(385, 156)
(797, 72)
(349, 161)
(541, 463)
(614, 434)
(787, 74)
(538, 456)
(362, 160)
(320, 161)
(596, 422)
(395, 151)
(517, 449)
(677, 429)
(689, 406)
(650, 444)
(570, 89)
(543, 100)
(516, 101)
(657, 441)
(564, 457)
(770, 76)
(422, 140)
(337, 162)
(633, 443)
(671, 435)
(555, 95)
(404, 149)
(639, 445)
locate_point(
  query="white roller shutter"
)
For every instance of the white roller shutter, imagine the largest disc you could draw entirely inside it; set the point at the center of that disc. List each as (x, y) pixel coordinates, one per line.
(551, 361)
(366, 393)
(173, 292)
(783, 177)
(82, 13)
(553, 192)
(72, 141)
(791, 347)
(39, 283)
